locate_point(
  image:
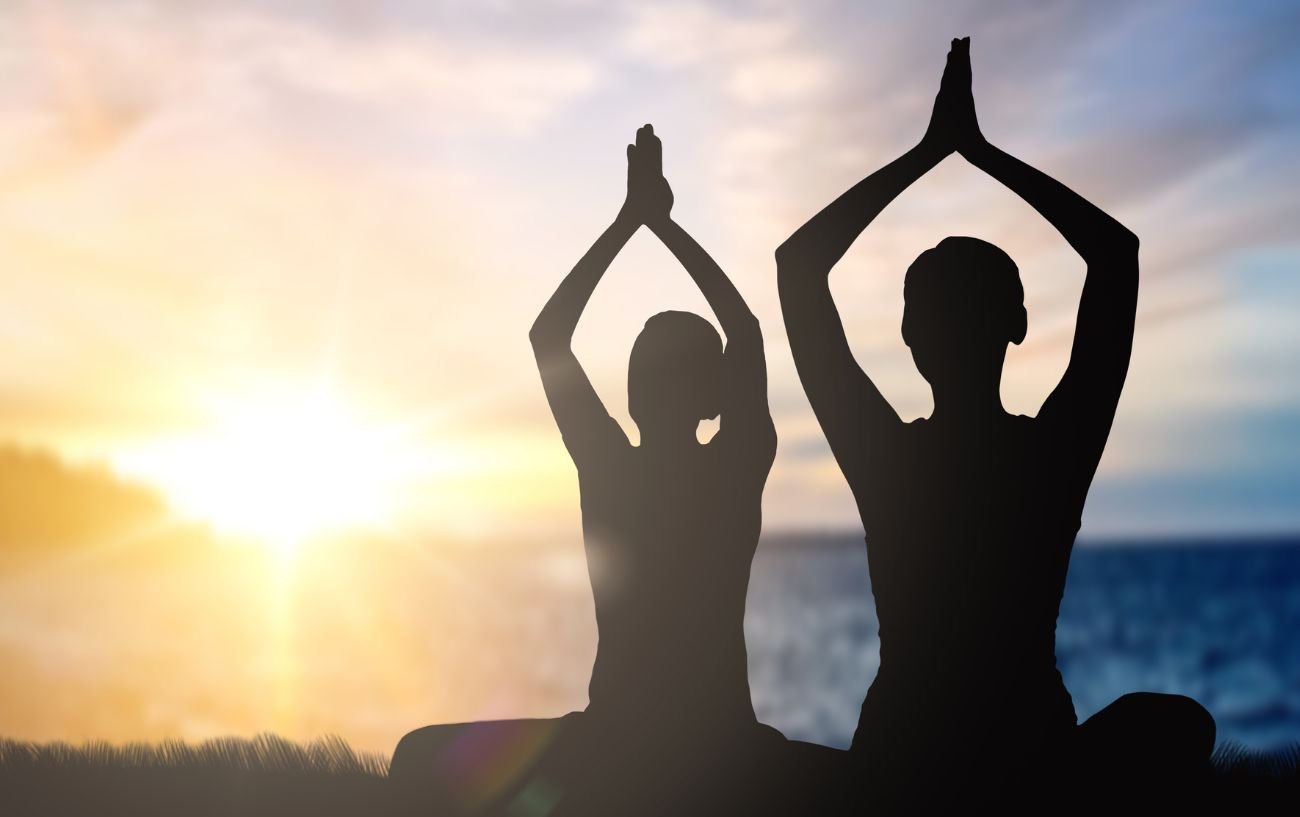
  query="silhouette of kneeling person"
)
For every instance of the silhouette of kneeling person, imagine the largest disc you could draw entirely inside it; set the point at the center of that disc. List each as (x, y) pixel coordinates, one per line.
(970, 514)
(670, 528)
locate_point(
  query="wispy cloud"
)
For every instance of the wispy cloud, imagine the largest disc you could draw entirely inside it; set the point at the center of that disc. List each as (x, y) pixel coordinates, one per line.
(195, 196)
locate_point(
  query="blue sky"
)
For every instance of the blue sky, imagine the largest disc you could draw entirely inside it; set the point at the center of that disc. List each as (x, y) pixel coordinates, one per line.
(208, 202)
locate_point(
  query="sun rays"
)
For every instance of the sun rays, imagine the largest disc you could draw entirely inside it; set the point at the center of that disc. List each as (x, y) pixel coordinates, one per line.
(281, 468)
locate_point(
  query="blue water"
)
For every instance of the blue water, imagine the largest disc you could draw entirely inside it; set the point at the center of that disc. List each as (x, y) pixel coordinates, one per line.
(1219, 622)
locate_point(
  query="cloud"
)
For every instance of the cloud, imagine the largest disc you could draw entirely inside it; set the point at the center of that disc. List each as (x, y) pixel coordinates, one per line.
(270, 161)
(1149, 112)
(761, 57)
(461, 84)
(48, 506)
(96, 75)
(683, 34)
(197, 195)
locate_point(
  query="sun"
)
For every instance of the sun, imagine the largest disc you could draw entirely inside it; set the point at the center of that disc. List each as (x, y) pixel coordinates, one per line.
(279, 469)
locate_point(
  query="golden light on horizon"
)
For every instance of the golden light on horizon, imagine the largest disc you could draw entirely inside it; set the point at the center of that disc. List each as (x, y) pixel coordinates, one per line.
(279, 468)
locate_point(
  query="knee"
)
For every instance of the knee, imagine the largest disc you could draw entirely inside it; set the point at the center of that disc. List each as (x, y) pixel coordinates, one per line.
(415, 754)
(1186, 727)
(1196, 724)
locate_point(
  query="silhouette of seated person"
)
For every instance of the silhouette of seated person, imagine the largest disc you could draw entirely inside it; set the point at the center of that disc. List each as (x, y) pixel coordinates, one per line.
(970, 514)
(670, 528)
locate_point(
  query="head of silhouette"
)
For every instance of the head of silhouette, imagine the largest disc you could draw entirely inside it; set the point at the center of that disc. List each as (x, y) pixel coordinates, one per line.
(963, 303)
(674, 375)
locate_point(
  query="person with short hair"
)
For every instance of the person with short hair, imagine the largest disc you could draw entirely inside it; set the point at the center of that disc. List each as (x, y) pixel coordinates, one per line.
(670, 527)
(971, 513)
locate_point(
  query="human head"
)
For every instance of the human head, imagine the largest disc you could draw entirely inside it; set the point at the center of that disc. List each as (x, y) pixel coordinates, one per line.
(673, 377)
(963, 303)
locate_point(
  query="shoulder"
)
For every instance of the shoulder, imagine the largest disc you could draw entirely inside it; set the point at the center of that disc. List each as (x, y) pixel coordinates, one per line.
(917, 429)
(1020, 427)
(1024, 425)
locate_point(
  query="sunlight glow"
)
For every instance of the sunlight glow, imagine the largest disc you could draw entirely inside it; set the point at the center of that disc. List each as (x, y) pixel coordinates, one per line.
(280, 469)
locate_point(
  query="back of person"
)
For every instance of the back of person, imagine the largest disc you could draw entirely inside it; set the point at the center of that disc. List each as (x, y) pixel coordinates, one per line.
(968, 542)
(970, 514)
(670, 527)
(669, 544)
(969, 538)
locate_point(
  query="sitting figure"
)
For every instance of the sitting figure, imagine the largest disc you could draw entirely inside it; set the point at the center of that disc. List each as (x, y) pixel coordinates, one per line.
(671, 524)
(970, 514)
(670, 527)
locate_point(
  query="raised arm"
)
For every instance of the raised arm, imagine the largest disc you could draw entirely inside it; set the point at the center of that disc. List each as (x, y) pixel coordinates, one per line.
(584, 423)
(745, 404)
(848, 406)
(738, 323)
(1087, 395)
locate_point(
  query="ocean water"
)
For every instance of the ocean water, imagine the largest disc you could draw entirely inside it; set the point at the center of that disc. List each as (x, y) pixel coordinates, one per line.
(1219, 622)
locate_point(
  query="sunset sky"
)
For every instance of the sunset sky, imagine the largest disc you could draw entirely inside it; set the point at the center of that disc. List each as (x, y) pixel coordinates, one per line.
(276, 262)
(212, 211)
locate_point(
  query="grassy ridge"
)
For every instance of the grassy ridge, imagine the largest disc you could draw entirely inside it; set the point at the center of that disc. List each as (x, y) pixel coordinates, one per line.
(268, 775)
(330, 755)
(1232, 760)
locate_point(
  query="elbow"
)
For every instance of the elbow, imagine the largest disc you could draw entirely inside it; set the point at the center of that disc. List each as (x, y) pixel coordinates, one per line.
(745, 328)
(795, 283)
(1128, 258)
(1127, 241)
(782, 257)
(540, 337)
(786, 259)
(786, 275)
(548, 341)
(1118, 247)
(1122, 242)
(796, 263)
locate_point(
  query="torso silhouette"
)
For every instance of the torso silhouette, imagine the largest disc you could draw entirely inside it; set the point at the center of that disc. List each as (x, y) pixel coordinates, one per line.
(670, 525)
(969, 530)
(970, 515)
(670, 528)
(670, 536)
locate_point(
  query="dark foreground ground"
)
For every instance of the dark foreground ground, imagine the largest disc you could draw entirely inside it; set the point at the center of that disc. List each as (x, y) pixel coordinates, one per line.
(263, 776)
(271, 776)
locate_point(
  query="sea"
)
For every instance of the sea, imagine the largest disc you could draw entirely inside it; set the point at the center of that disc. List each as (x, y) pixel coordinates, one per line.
(1218, 621)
